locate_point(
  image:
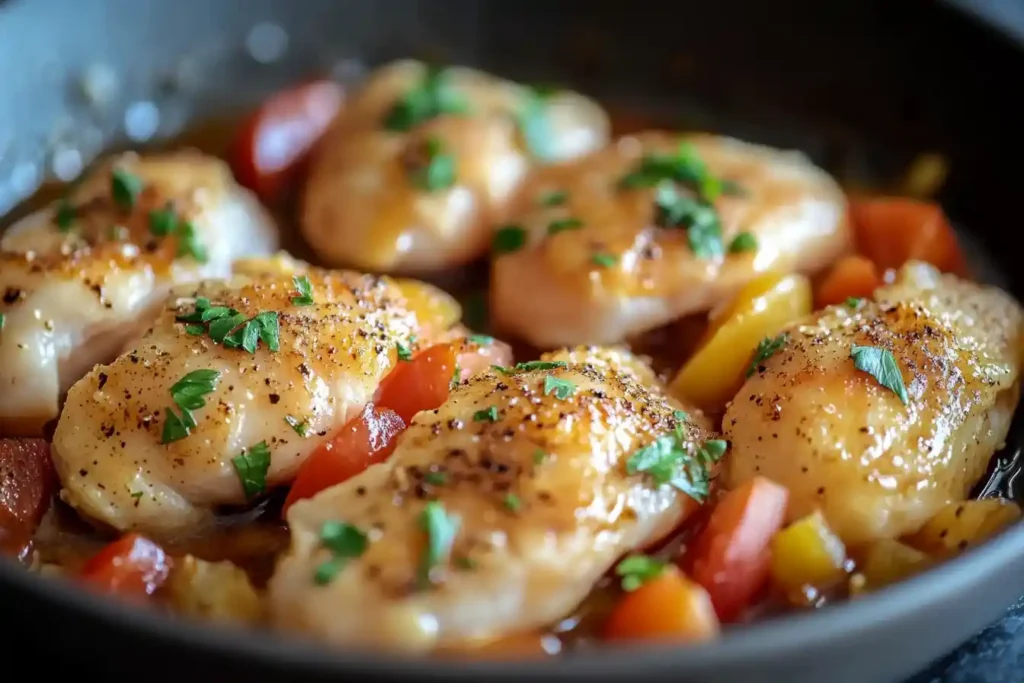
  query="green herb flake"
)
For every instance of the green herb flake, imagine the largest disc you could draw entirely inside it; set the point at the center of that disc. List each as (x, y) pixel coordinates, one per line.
(742, 242)
(480, 339)
(438, 173)
(252, 465)
(766, 348)
(563, 224)
(512, 503)
(668, 461)
(553, 198)
(188, 395)
(189, 244)
(305, 290)
(502, 369)
(486, 415)
(603, 260)
(125, 187)
(431, 98)
(163, 222)
(344, 542)
(404, 351)
(680, 415)
(456, 377)
(66, 215)
(535, 125)
(269, 329)
(301, 427)
(441, 529)
(508, 239)
(137, 494)
(531, 365)
(435, 478)
(636, 570)
(853, 302)
(3, 321)
(561, 388)
(195, 330)
(880, 364)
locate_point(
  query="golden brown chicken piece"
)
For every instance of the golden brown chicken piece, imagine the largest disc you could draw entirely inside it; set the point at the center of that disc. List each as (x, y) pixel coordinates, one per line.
(495, 514)
(654, 227)
(415, 172)
(287, 380)
(841, 441)
(83, 276)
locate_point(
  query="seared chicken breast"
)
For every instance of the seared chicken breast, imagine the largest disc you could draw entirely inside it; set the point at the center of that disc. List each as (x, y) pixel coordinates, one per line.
(417, 168)
(81, 277)
(655, 227)
(228, 393)
(494, 515)
(842, 440)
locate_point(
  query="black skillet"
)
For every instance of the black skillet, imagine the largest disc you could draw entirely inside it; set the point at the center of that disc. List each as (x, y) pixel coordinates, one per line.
(862, 86)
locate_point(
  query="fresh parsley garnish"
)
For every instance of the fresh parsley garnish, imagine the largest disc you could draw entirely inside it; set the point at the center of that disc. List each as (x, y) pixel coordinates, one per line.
(345, 542)
(305, 290)
(534, 125)
(301, 427)
(538, 456)
(512, 502)
(456, 377)
(163, 222)
(636, 570)
(508, 239)
(744, 241)
(252, 465)
(561, 388)
(766, 348)
(668, 461)
(66, 214)
(540, 365)
(435, 478)
(674, 209)
(680, 414)
(486, 415)
(438, 171)
(441, 529)
(553, 198)
(853, 302)
(125, 187)
(3, 320)
(880, 364)
(232, 329)
(563, 224)
(431, 98)
(603, 260)
(480, 339)
(404, 350)
(187, 394)
(189, 244)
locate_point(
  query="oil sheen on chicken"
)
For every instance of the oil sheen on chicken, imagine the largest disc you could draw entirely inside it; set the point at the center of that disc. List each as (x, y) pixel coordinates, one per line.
(332, 355)
(529, 486)
(416, 190)
(610, 248)
(81, 277)
(843, 443)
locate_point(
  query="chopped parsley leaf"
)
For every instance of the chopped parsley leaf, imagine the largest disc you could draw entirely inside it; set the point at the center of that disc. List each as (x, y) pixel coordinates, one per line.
(435, 478)
(486, 415)
(344, 542)
(563, 224)
(441, 529)
(553, 198)
(189, 244)
(539, 456)
(404, 351)
(508, 239)
(187, 394)
(431, 98)
(880, 364)
(137, 494)
(766, 348)
(163, 222)
(539, 365)
(742, 242)
(680, 415)
(301, 428)
(305, 290)
(438, 173)
(603, 260)
(125, 187)
(534, 124)
(636, 570)
(512, 502)
(853, 302)
(668, 461)
(3, 320)
(481, 339)
(561, 388)
(252, 465)
(66, 214)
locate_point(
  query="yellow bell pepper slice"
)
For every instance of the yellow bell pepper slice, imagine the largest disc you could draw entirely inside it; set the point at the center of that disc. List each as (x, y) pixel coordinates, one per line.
(761, 309)
(807, 553)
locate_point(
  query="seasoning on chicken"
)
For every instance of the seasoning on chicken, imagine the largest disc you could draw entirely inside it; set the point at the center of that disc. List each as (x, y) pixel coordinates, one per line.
(80, 278)
(496, 513)
(879, 414)
(233, 387)
(416, 170)
(655, 227)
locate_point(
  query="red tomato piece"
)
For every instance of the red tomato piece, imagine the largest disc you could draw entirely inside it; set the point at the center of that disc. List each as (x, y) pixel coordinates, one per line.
(419, 384)
(132, 566)
(367, 439)
(850, 277)
(27, 482)
(271, 147)
(668, 607)
(732, 557)
(893, 230)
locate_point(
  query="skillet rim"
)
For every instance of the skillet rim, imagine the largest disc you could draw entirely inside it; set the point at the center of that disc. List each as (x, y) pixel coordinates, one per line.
(767, 640)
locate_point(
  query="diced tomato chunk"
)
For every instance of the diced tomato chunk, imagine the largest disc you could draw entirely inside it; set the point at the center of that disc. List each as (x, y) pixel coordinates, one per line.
(851, 277)
(421, 383)
(27, 483)
(668, 607)
(132, 566)
(893, 230)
